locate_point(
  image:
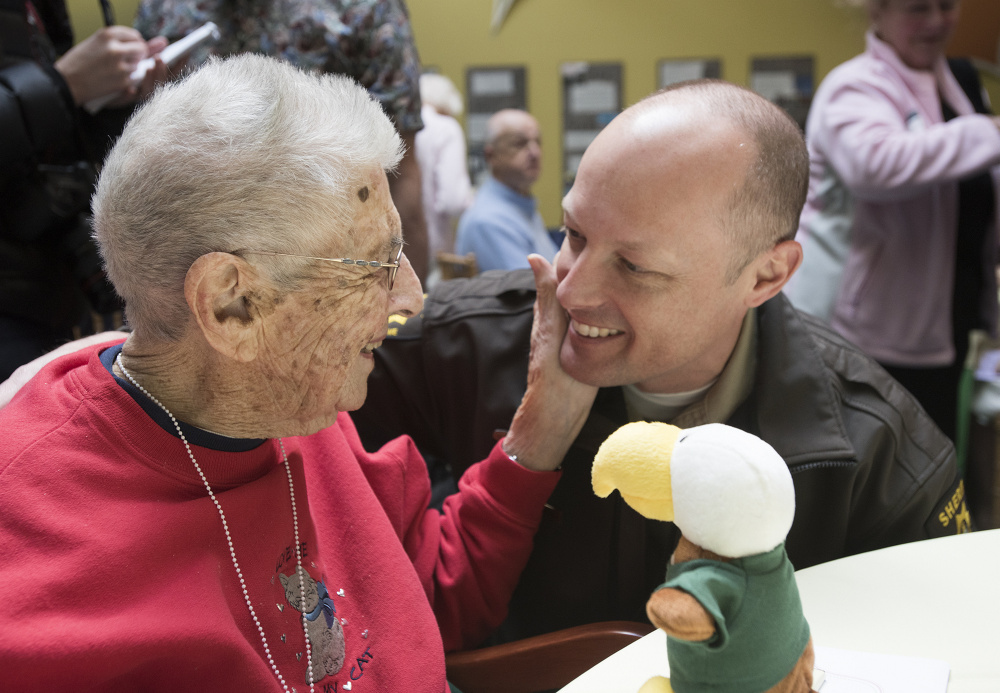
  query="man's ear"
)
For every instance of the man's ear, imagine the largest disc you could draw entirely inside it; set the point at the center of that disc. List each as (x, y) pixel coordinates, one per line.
(216, 287)
(773, 269)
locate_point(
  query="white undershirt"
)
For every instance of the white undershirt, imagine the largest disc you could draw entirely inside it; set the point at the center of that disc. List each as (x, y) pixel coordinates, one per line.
(649, 406)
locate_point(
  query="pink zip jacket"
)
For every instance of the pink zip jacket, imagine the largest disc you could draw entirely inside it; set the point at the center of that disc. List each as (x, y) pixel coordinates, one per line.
(880, 223)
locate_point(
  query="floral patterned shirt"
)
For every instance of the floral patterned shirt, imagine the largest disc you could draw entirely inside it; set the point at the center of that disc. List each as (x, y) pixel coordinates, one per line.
(369, 40)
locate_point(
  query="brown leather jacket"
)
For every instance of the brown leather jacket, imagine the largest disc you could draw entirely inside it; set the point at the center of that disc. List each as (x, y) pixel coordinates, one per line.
(870, 468)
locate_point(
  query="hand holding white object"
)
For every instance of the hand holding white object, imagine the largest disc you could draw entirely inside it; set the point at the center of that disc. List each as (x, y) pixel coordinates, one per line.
(170, 56)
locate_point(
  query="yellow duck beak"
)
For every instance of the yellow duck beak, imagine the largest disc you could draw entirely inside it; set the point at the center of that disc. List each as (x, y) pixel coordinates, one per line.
(635, 459)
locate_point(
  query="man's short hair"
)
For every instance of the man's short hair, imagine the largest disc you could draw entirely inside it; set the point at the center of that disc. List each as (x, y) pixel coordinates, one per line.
(244, 153)
(496, 126)
(765, 209)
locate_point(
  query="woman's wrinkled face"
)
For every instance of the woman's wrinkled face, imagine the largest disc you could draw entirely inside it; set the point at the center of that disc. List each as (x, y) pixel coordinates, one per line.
(320, 339)
(918, 30)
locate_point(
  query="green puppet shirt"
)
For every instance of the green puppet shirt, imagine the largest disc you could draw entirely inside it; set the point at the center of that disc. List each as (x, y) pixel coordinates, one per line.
(760, 629)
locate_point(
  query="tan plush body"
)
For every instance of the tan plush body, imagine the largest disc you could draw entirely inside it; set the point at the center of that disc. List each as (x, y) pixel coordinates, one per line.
(680, 615)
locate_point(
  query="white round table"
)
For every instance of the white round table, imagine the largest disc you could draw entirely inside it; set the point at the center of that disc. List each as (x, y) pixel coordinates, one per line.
(936, 599)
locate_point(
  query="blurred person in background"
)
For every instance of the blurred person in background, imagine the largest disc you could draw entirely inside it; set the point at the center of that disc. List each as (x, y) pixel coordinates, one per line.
(899, 231)
(503, 226)
(50, 272)
(444, 171)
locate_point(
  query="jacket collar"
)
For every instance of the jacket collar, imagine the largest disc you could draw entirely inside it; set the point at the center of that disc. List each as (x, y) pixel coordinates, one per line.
(928, 86)
(776, 362)
(797, 408)
(778, 368)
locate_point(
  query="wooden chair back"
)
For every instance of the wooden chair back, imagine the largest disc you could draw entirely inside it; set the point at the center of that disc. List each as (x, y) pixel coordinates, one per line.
(453, 266)
(541, 663)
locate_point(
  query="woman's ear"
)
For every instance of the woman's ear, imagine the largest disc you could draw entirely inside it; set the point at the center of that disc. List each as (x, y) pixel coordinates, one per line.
(773, 270)
(216, 289)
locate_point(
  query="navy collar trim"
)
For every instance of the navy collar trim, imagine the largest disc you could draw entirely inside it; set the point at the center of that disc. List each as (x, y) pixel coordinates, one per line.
(195, 436)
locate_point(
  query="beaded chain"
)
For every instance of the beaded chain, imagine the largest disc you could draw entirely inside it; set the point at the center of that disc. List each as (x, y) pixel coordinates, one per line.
(232, 549)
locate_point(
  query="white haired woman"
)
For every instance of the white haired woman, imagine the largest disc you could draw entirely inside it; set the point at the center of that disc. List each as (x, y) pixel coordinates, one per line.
(899, 230)
(192, 510)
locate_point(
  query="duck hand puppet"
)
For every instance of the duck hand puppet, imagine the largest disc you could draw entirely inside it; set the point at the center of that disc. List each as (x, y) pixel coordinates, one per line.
(729, 606)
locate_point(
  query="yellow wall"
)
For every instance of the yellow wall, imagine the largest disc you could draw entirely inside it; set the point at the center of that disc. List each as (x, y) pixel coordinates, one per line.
(540, 34)
(992, 84)
(86, 15)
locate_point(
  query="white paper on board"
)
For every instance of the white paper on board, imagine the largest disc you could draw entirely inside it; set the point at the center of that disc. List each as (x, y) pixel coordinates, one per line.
(673, 71)
(773, 85)
(492, 83)
(593, 96)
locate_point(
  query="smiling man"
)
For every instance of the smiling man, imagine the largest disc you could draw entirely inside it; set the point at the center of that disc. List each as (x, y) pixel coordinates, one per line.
(679, 239)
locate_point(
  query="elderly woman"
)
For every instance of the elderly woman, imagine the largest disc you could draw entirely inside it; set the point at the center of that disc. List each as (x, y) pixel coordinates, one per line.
(192, 510)
(902, 202)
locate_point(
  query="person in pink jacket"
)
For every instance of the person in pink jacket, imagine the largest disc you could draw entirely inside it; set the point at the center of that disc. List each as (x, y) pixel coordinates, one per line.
(899, 231)
(192, 509)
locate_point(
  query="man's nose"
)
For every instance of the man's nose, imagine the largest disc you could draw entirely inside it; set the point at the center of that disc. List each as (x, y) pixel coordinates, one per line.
(578, 286)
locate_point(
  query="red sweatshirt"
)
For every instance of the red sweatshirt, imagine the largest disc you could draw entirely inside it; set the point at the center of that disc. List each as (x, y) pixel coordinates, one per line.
(115, 573)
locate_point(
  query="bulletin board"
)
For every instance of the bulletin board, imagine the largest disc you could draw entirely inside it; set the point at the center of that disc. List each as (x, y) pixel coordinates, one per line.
(592, 97)
(682, 69)
(787, 81)
(488, 90)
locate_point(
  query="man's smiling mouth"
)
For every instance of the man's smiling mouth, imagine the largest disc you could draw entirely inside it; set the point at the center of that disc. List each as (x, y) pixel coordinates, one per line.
(592, 331)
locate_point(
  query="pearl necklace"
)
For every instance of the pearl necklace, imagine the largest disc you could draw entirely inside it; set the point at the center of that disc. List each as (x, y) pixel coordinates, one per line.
(229, 540)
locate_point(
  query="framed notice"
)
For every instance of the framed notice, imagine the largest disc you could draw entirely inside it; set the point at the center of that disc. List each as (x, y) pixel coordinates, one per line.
(787, 81)
(592, 97)
(681, 70)
(488, 90)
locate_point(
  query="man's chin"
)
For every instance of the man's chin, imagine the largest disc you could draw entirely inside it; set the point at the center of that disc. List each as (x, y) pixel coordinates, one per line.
(583, 372)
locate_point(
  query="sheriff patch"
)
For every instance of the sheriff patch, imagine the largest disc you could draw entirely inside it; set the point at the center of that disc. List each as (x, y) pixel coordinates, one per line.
(952, 515)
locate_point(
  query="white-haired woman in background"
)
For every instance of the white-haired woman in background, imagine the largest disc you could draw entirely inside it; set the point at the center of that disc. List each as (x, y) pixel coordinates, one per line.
(441, 153)
(191, 509)
(899, 231)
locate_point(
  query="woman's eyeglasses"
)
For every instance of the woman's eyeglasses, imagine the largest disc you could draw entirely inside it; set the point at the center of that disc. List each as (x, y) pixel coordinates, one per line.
(392, 266)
